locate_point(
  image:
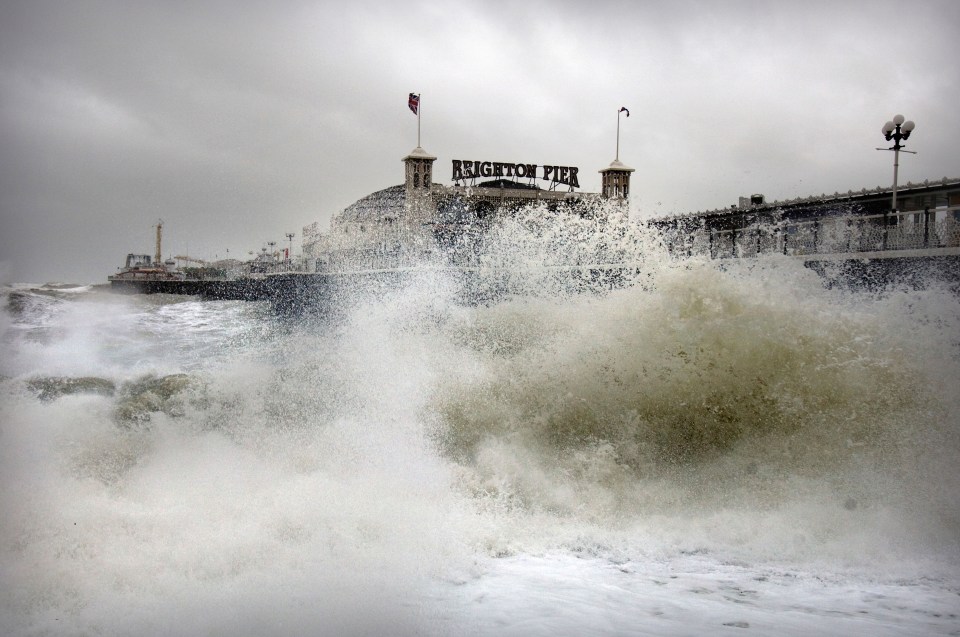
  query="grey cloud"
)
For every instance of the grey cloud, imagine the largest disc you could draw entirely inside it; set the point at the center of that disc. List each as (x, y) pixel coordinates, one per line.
(237, 122)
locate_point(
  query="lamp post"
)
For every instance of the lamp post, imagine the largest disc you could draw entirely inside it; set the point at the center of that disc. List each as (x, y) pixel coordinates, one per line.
(290, 236)
(897, 130)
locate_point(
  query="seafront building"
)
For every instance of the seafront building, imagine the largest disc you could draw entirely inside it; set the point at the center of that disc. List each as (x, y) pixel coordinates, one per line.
(421, 221)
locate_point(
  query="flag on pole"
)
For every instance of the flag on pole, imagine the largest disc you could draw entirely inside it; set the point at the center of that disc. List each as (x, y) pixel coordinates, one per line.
(413, 102)
(624, 109)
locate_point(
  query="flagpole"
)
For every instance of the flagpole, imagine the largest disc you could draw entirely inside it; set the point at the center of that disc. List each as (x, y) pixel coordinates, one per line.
(419, 108)
(617, 158)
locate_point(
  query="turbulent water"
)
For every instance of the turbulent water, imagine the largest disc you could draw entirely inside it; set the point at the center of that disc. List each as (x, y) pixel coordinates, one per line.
(730, 451)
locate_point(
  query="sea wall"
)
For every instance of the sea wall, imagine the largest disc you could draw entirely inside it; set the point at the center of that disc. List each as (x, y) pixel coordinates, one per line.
(234, 290)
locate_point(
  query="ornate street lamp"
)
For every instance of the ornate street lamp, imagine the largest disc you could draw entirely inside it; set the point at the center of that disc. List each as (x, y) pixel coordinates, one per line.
(897, 130)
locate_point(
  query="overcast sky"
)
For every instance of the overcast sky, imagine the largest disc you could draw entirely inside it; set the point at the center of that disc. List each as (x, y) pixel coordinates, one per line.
(237, 122)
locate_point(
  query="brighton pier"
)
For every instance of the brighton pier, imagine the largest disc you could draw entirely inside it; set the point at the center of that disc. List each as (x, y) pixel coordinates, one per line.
(464, 170)
(855, 238)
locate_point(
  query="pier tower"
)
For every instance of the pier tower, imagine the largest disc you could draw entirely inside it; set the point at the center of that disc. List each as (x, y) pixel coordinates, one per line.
(419, 170)
(615, 180)
(420, 208)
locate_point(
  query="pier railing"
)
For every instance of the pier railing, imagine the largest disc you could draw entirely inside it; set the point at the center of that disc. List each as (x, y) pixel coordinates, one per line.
(924, 230)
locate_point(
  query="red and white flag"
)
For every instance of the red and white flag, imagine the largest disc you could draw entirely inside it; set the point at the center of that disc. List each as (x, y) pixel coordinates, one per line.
(414, 102)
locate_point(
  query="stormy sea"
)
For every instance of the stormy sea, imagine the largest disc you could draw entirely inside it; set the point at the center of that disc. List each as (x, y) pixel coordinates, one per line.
(713, 448)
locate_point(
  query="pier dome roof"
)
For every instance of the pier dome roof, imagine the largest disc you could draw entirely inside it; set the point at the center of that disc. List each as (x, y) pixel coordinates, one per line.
(381, 204)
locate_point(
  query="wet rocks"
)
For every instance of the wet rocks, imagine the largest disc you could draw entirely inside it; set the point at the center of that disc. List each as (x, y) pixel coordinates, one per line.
(150, 394)
(136, 400)
(53, 387)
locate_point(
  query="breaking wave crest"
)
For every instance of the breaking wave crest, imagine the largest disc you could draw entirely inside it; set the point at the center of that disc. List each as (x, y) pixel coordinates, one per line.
(707, 391)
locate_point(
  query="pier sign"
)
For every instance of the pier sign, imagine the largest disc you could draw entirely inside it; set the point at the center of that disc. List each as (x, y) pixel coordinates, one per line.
(466, 169)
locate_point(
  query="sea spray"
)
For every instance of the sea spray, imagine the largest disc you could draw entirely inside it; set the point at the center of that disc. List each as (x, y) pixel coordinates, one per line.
(712, 432)
(258, 496)
(705, 393)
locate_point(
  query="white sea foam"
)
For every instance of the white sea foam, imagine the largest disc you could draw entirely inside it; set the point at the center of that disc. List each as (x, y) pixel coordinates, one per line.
(711, 450)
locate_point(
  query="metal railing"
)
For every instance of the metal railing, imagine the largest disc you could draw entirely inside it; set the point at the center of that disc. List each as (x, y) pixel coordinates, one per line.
(925, 230)
(929, 229)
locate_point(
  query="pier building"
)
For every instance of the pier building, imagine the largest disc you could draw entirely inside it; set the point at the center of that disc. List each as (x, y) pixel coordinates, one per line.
(418, 220)
(852, 225)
